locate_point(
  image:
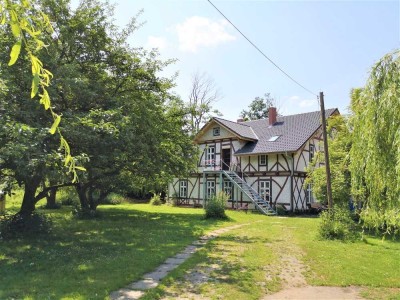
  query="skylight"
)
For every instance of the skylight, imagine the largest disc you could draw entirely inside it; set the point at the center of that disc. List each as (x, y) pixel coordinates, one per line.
(273, 138)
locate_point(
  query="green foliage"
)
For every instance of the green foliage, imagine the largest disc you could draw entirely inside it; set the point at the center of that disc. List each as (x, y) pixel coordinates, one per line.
(17, 226)
(338, 224)
(258, 108)
(375, 153)
(29, 26)
(339, 143)
(123, 123)
(155, 200)
(215, 207)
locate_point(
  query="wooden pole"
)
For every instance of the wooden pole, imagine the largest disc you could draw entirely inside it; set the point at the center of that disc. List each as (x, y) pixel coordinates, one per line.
(326, 152)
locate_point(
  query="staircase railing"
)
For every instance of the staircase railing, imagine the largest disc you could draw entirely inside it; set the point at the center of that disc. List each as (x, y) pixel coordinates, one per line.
(261, 204)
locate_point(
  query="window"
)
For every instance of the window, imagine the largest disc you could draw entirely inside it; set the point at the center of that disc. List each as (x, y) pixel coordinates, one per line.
(309, 195)
(216, 131)
(183, 189)
(312, 147)
(228, 189)
(210, 156)
(262, 160)
(274, 138)
(210, 189)
(264, 189)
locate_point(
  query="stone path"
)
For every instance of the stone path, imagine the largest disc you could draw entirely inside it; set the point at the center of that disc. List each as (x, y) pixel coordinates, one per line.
(150, 280)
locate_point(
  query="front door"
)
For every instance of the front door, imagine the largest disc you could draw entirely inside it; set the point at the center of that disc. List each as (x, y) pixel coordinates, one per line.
(226, 159)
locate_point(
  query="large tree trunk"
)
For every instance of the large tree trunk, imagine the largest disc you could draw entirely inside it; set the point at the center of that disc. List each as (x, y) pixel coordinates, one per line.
(51, 196)
(81, 190)
(29, 201)
(51, 199)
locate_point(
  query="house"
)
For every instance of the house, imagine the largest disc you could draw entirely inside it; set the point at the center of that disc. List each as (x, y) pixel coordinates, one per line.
(260, 164)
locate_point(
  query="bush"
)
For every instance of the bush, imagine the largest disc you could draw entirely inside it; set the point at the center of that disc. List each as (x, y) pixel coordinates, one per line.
(112, 199)
(155, 200)
(215, 207)
(15, 226)
(338, 224)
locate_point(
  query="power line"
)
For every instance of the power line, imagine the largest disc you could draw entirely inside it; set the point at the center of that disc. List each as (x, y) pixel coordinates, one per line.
(262, 53)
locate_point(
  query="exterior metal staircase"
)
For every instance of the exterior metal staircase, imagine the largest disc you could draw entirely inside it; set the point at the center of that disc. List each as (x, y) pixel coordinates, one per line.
(260, 203)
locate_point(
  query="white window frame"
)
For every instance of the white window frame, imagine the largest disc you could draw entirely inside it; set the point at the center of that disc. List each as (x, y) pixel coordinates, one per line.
(210, 156)
(228, 189)
(260, 160)
(183, 184)
(210, 188)
(216, 131)
(309, 194)
(264, 189)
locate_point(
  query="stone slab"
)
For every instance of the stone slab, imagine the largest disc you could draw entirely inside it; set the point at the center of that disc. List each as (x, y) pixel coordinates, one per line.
(174, 261)
(125, 294)
(144, 284)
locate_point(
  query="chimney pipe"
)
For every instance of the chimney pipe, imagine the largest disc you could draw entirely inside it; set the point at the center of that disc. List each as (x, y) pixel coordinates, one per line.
(271, 116)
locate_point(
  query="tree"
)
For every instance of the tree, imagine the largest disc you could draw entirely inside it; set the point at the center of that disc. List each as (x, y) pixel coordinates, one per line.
(258, 108)
(28, 26)
(375, 152)
(116, 111)
(339, 142)
(202, 96)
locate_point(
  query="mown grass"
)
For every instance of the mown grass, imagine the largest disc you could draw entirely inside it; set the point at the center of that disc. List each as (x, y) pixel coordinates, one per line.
(87, 259)
(250, 262)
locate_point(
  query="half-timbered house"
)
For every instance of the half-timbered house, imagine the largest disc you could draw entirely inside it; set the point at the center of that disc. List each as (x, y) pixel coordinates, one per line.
(260, 164)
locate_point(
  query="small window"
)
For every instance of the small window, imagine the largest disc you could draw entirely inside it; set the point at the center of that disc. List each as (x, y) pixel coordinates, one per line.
(228, 189)
(274, 138)
(309, 194)
(183, 189)
(216, 131)
(312, 150)
(262, 160)
(210, 189)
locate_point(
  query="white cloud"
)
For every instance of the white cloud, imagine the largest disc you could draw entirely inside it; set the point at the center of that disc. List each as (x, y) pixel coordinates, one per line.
(196, 32)
(308, 103)
(295, 105)
(156, 42)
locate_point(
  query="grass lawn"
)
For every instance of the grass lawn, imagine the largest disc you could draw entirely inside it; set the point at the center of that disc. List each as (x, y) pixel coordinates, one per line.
(87, 259)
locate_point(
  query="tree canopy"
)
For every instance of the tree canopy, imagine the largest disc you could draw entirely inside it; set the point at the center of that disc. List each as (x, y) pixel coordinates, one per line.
(121, 120)
(258, 108)
(375, 153)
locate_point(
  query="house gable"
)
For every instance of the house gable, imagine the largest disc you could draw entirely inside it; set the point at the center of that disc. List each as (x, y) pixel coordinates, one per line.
(227, 130)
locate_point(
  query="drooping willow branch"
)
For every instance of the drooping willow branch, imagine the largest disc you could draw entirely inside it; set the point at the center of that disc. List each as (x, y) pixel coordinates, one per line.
(27, 24)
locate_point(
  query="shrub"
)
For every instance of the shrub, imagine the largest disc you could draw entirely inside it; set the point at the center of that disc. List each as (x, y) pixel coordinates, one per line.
(155, 200)
(338, 224)
(215, 207)
(15, 226)
(174, 200)
(112, 199)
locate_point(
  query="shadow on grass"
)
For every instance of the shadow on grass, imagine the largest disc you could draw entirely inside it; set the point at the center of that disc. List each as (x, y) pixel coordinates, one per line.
(90, 258)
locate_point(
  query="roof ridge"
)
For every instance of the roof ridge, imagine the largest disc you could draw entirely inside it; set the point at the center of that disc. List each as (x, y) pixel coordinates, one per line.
(298, 114)
(232, 121)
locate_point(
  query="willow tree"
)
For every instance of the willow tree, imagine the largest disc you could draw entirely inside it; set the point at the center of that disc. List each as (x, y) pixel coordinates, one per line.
(375, 152)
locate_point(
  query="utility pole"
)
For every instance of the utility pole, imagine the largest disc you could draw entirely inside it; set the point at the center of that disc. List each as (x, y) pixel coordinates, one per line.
(327, 165)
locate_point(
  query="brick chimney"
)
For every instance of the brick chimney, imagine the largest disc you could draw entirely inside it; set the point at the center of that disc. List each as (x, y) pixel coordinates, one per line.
(239, 120)
(272, 116)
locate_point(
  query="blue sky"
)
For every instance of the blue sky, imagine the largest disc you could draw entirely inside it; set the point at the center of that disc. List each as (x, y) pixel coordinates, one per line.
(327, 46)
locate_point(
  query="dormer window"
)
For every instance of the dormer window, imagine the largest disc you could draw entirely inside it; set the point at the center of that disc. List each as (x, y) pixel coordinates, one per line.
(274, 138)
(216, 131)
